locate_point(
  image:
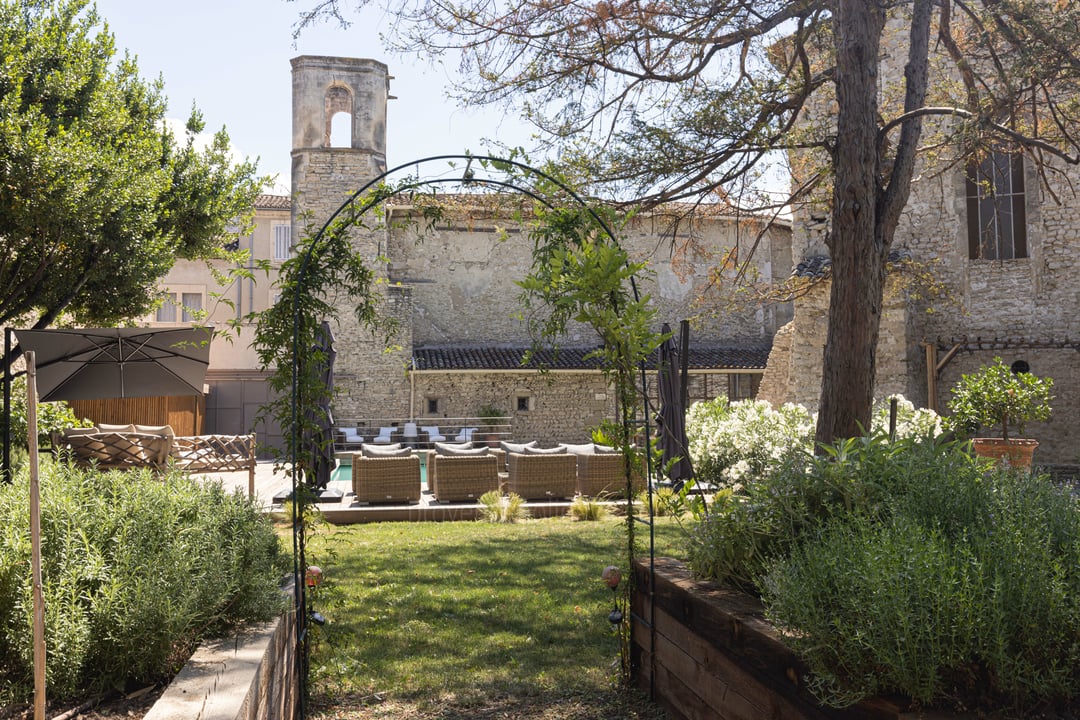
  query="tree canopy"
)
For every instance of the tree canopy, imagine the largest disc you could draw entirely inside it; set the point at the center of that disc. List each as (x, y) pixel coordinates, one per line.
(97, 197)
(677, 100)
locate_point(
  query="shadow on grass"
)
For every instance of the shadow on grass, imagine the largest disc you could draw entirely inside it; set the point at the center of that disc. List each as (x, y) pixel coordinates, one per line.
(471, 611)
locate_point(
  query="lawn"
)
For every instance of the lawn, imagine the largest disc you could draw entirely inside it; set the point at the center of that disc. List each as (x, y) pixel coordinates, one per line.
(469, 619)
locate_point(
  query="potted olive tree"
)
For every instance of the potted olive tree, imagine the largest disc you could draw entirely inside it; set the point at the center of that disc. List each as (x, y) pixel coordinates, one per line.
(998, 398)
(491, 418)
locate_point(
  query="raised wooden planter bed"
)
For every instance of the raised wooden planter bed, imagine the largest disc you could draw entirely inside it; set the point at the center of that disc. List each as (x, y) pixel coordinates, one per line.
(710, 655)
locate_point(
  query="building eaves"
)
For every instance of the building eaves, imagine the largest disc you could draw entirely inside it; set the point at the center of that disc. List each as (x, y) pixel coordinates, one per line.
(273, 202)
(461, 358)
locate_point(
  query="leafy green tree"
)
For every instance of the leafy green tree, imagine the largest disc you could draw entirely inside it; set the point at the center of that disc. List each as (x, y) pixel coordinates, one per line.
(679, 100)
(97, 198)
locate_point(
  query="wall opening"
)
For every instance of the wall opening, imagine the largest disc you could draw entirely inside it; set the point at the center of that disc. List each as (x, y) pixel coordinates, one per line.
(339, 117)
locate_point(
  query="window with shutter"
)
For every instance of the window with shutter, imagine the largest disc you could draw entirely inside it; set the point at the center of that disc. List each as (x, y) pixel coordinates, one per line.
(282, 242)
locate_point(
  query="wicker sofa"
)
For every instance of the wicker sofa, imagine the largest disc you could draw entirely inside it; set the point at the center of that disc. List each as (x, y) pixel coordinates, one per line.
(156, 446)
(386, 479)
(542, 477)
(455, 478)
(604, 475)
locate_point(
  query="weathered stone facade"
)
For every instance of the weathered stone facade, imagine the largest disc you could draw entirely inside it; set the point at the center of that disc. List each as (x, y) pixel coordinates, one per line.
(1022, 309)
(794, 370)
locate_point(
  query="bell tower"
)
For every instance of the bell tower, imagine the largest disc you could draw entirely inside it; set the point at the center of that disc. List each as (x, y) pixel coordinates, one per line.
(338, 131)
(338, 146)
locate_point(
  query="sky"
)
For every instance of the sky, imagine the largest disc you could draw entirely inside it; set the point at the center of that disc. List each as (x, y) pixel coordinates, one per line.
(231, 59)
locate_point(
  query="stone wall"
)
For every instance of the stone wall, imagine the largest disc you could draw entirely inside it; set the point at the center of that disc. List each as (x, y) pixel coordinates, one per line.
(793, 373)
(254, 676)
(463, 271)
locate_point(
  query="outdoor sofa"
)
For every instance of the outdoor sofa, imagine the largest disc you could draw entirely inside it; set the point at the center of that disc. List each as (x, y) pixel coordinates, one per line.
(129, 447)
(386, 478)
(601, 471)
(542, 476)
(462, 474)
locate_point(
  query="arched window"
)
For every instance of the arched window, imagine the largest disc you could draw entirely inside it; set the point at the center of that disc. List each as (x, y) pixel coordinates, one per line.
(339, 117)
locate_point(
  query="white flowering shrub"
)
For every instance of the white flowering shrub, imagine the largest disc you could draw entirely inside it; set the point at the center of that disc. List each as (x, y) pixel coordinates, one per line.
(731, 443)
(910, 421)
(735, 442)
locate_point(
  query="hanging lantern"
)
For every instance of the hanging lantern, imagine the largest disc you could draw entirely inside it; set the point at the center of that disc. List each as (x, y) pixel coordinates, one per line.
(313, 576)
(611, 576)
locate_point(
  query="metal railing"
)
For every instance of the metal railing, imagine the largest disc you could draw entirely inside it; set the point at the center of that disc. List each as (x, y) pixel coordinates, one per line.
(427, 431)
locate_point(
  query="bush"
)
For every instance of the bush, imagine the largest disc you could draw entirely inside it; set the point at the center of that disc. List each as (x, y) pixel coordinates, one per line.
(586, 508)
(51, 416)
(740, 442)
(730, 442)
(499, 508)
(745, 530)
(974, 600)
(137, 569)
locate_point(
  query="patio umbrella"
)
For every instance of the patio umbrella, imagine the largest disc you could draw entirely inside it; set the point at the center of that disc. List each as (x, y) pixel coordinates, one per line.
(671, 434)
(321, 443)
(97, 363)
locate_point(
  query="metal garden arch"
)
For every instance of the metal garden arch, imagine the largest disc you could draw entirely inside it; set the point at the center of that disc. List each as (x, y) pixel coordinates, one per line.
(468, 177)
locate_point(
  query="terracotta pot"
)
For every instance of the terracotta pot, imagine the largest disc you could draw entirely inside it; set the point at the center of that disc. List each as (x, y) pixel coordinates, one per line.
(1014, 453)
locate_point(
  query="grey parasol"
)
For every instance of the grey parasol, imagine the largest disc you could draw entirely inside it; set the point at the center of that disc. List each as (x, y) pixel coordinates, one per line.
(671, 434)
(322, 445)
(96, 363)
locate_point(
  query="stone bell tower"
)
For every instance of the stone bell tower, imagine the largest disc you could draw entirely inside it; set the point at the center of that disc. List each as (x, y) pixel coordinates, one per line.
(338, 130)
(339, 145)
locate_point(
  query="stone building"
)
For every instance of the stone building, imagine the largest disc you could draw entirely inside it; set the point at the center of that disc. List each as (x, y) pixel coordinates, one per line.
(999, 240)
(452, 287)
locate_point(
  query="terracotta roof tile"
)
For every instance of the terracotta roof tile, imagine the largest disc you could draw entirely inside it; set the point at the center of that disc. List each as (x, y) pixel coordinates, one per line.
(509, 358)
(273, 202)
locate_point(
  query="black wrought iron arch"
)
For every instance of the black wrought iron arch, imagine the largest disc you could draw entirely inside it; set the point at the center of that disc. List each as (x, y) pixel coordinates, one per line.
(468, 177)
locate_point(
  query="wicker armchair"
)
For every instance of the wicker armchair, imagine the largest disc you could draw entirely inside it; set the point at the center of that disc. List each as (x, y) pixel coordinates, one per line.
(542, 477)
(386, 479)
(603, 475)
(461, 477)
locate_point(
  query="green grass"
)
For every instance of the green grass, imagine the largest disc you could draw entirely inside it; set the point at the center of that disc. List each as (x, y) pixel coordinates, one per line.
(470, 611)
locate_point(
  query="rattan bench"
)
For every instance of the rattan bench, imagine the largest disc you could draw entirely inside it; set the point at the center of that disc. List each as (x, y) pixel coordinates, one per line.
(542, 477)
(454, 478)
(604, 475)
(386, 479)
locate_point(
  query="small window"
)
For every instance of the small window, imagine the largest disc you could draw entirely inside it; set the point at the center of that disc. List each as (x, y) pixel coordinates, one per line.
(433, 406)
(740, 386)
(166, 312)
(996, 216)
(192, 306)
(282, 242)
(523, 403)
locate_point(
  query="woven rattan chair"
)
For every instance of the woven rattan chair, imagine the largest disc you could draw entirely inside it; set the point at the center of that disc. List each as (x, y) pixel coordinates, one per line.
(603, 475)
(386, 479)
(454, 478)
(542, 477)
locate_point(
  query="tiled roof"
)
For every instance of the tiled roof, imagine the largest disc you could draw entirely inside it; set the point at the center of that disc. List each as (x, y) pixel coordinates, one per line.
(819, 266)
(509, 358)
(273, 202)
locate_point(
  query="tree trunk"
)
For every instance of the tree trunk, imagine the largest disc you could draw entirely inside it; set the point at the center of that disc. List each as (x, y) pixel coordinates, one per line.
(858, 253)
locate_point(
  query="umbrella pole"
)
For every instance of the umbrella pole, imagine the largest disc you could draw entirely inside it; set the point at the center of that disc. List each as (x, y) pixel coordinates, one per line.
(35, 539)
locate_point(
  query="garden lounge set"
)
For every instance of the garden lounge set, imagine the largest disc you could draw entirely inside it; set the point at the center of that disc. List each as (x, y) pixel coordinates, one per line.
(155, 446)
(463, 472)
